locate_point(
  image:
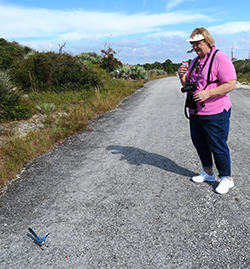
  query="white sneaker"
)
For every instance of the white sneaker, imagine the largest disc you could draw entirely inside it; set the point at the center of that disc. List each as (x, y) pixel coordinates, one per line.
(204, 177)
(224, 185)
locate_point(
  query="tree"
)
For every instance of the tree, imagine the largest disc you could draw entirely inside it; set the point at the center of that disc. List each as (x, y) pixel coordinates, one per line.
(61, 47)
(109, 62)
(168, 66)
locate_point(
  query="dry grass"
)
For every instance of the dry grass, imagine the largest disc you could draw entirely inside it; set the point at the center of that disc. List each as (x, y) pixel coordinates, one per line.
(62, 114)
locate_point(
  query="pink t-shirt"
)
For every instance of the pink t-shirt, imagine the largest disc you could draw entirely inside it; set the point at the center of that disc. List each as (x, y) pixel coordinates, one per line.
(222, 70)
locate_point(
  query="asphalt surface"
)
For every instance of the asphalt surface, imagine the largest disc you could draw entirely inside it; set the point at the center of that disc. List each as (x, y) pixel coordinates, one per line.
(119, 194)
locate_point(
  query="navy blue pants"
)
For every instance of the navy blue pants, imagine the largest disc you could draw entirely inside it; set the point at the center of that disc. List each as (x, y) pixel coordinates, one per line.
(209, 135)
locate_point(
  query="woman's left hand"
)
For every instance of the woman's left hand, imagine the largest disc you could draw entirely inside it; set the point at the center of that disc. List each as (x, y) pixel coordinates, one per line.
(223, 89)
(201, 96)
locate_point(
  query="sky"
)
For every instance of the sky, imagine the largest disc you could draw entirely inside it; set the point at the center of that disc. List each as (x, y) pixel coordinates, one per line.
(140, 31)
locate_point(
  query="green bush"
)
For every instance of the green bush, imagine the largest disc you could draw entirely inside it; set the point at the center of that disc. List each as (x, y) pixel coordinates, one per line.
(68, 73)
(242, 66)
(123, 72)
(130, 72)
(167, 66)
(138, 72)
(157, 72)
(109, 62)
(12, 106)
(32, 72)
(9, 51)
(51, 71)
(89, 58)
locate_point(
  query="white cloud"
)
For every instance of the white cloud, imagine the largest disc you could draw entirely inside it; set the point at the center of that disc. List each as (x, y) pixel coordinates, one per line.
(231, 27)
(174, 3)
(128, 43)
(169, 34)
(139, 36)
(243, 42)
(18, 22)
(173, 48)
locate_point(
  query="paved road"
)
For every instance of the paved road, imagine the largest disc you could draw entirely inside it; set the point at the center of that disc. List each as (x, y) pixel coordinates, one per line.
(119, 195)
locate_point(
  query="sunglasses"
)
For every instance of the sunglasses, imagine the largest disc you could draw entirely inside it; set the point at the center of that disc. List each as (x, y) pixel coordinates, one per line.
(196, 44)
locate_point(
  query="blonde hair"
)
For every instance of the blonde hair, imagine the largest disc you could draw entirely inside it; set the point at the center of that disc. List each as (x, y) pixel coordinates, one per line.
(208, 38)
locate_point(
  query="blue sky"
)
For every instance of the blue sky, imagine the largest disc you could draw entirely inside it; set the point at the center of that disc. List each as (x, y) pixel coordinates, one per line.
(140, 31)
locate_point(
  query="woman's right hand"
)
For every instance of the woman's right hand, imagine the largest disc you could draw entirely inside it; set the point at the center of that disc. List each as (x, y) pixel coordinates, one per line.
(182, 71)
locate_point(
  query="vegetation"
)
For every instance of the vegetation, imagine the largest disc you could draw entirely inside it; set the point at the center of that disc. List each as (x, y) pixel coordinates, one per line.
(146, 71)
(130, 72)
(109, 62)
(242, 68)
(53, 72)
(169, 67)
(63, 115)
(10, 52)
(89, 58)
(62, 91)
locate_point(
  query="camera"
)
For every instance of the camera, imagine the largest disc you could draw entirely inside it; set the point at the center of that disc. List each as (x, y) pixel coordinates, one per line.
(190, 87)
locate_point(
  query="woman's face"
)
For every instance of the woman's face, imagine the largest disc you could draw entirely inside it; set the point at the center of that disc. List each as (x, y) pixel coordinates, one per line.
(201, 48)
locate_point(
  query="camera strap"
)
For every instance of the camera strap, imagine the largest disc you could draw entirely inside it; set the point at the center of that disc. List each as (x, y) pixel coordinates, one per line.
(209, 71)
(196, 64)
(208, 78)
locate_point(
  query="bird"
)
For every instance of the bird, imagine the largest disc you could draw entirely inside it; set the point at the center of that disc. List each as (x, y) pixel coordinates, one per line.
(38, 240)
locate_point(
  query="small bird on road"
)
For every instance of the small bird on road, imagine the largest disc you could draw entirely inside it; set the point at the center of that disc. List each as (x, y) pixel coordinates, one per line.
(38, 240)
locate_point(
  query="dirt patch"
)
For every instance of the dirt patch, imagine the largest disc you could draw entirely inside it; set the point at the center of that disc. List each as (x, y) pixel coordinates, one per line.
(21, 128)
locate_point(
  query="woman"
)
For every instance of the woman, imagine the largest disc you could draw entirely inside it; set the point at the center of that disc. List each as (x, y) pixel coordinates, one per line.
(209, 128)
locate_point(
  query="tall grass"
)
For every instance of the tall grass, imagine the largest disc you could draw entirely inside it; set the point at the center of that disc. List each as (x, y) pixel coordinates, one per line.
(66, 113)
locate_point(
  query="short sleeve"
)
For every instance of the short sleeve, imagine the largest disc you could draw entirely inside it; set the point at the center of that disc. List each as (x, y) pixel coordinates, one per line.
(224, 67)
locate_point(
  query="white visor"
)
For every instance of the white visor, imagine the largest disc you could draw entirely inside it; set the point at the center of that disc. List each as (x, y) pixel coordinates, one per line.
(197, 37)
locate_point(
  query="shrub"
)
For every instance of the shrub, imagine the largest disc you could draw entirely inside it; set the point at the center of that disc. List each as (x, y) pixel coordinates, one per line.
(11, 51)
(130, 72)
(109, 62)
(157, 72)
(66, 72)
(89, 58)
(12, 106)
(123, 72)
(242, 66)
(51, 71)
(69, 73)
(138, 72)
(167, 66)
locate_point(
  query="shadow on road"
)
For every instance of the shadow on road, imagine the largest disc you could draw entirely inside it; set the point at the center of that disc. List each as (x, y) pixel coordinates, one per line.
(138, 156)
